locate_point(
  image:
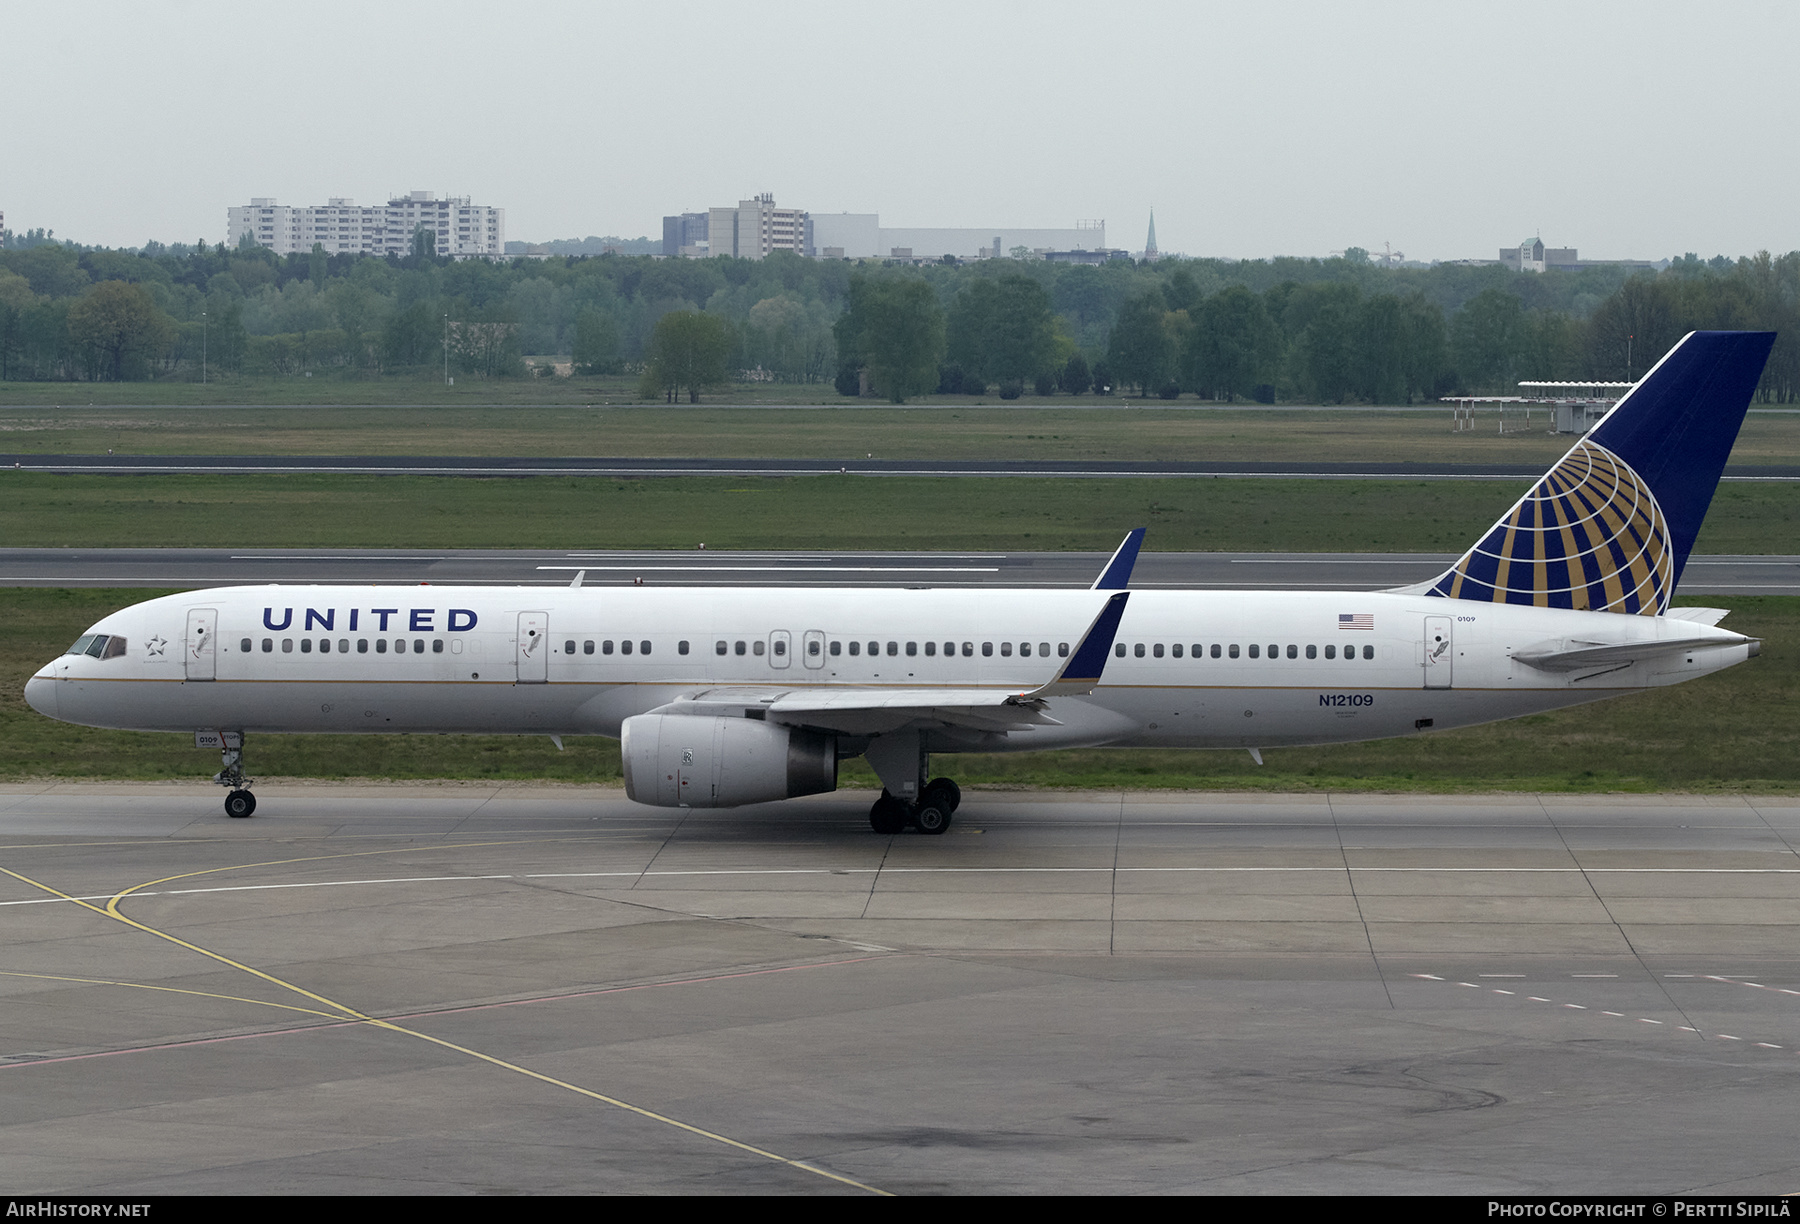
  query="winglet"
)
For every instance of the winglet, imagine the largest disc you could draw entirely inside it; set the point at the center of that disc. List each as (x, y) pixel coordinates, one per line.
(1117, 574)
(1081, 674)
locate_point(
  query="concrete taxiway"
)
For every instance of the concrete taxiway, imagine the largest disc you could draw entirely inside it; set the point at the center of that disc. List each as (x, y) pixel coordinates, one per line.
(475, 988)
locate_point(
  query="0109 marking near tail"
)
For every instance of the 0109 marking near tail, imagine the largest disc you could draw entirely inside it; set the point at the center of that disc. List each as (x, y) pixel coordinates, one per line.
(731, 696)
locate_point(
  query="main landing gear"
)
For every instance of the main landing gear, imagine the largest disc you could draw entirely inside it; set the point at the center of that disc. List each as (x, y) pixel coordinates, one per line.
(240, 803)
(931, 814)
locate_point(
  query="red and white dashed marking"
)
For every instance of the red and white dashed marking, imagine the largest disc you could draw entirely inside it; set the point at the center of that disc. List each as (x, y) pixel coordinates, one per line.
(1684, 1028)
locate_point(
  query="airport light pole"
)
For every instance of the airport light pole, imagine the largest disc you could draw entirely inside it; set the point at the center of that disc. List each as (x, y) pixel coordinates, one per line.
(202, 348)
(446, 350)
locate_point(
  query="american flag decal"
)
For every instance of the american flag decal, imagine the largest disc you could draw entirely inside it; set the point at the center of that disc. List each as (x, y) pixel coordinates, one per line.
(1356, 620)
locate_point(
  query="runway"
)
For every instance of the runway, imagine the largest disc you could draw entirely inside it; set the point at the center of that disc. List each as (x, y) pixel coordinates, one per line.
(542, 465)
(203, 567)
(494, 989)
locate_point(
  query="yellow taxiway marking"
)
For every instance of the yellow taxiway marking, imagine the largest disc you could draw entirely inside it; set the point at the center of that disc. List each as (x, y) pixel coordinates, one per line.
(343, 1011)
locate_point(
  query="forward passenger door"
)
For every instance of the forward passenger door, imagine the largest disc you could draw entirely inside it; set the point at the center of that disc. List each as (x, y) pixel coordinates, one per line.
(201, 652)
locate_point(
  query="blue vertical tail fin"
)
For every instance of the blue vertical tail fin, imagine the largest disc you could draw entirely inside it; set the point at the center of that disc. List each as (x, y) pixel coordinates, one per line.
(1609, 528)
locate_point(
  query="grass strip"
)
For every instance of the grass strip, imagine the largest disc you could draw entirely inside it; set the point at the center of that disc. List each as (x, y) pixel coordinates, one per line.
(831, 512)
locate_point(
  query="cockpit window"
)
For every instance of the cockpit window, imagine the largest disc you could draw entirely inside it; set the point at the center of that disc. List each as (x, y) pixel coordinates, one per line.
(99, 646)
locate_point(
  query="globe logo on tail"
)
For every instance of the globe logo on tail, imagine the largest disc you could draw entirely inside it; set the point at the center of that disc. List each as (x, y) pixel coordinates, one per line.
(1590, 536)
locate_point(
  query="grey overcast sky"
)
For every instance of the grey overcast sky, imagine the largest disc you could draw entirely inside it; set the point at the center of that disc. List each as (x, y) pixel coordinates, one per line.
(1628, 130)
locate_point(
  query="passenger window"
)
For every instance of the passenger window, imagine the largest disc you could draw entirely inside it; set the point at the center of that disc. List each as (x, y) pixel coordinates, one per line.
(719, 648)
(1368, 652)
(1006, 650)
(324, 645)
(968, 650)
(680, 648)
(1233, 652)
(399, 645)
(1215, 651)
(874, 649)
(1025, 650)
(305, 645)
(949, 650)
(343, 645)
(855, 648)
(1312, 652)
(418, 645)
(1293, 652)
(1157, 650)
(362, 646)
(1062, 650)
(1119, 649)
(1331, 652)
(837, 649)
(644, 647)
(812, 649)
(268, 645)
(756, 648)
(1138, 650)
(1255, 651)
(569, 646)
(1175, 650)
(738, 649)
(931, 650)
(606, 647)
(893, 649)
(587, 646)
(912, 650)
(244, 645)
(1274, 651)
(380, 645)
(437, 645)
(987, 650)
(780, 647)
(625, 646)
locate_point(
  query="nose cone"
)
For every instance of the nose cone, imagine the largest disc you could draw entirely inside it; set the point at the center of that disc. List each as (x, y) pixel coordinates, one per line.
(40, 693)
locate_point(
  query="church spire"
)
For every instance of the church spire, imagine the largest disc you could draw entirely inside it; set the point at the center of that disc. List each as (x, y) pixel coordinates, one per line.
(1150, 242)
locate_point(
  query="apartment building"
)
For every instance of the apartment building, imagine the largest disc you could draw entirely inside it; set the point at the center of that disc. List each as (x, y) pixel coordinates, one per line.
(460, 228)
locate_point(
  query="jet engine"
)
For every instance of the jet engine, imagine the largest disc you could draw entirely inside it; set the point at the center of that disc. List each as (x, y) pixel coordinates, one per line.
(684, 760)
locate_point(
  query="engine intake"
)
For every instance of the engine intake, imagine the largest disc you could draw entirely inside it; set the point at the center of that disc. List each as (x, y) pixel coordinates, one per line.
(684, 760)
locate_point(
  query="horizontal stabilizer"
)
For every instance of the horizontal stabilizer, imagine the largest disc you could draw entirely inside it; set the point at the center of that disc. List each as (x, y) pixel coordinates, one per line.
(1579, 656)
(1698, 616)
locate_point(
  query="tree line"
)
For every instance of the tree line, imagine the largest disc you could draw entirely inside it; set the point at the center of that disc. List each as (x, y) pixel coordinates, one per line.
(1341, 330)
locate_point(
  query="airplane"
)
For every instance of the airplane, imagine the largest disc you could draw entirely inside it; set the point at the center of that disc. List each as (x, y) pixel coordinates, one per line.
(725, 697)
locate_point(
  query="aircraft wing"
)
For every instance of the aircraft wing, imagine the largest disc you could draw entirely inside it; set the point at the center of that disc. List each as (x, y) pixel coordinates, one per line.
(872, 710)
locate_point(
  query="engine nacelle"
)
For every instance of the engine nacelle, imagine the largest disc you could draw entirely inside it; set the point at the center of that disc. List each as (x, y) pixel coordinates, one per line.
(684, 760)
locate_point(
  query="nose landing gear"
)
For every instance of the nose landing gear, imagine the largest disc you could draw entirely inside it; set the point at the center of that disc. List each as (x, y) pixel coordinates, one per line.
(240, 803)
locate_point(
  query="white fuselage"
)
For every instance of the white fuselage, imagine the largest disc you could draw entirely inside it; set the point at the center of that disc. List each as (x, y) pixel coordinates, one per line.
(1199, 669)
